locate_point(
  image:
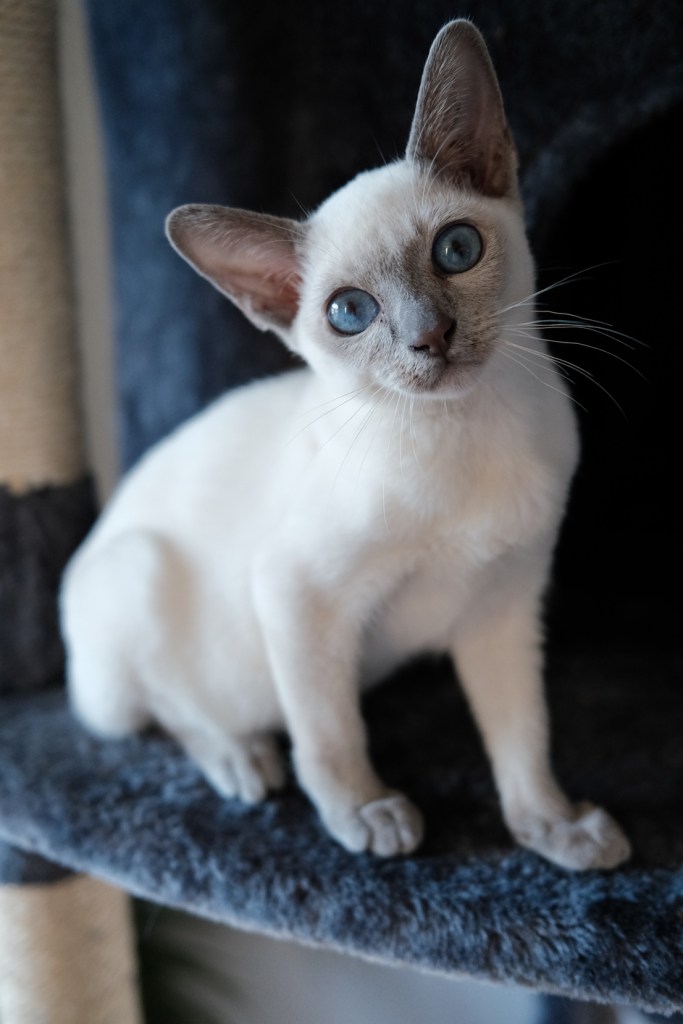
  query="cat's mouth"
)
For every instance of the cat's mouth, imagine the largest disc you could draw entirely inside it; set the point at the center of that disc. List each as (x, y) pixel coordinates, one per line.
(444, 360)
(446, 375)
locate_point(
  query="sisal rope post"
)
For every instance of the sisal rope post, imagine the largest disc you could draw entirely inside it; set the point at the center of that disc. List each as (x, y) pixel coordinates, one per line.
(40, 435)
(66, 947)
(63, 958)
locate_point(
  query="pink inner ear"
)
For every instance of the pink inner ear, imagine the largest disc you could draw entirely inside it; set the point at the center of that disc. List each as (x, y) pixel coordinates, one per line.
(250, 257)
(274, 295)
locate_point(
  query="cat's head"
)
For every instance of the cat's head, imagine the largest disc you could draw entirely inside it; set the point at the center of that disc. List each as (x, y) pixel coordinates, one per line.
(398, 279)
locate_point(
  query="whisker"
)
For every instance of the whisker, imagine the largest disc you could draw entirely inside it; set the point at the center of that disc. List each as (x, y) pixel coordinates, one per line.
(347, 394)
(578, 275)
(585, 344)
(347, 421)
(342, 400)
(569, 365)
(412, 434)
(364, 423)
(520, 362)
(379, 149)
(306, 212)
(592, 326)
(587, 320)
(386, 465)
(385, 398)
(549, 358)
(400, 436)
(390, 436)
(355, 438)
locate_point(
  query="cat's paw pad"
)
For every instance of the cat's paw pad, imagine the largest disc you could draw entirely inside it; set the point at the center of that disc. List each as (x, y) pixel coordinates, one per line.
(591, 839)
(389, 826)
(247, 768)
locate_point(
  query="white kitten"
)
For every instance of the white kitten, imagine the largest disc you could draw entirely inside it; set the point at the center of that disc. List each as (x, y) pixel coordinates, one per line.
(307, 534)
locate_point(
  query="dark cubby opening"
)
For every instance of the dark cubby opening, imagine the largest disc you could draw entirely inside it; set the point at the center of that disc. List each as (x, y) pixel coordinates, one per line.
(620, 554)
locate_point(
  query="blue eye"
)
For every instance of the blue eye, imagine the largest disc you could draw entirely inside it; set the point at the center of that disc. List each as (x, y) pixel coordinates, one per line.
(457, 248)
(351, 311)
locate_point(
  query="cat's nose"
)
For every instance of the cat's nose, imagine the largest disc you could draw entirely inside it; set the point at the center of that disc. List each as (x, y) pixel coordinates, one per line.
(437, 340)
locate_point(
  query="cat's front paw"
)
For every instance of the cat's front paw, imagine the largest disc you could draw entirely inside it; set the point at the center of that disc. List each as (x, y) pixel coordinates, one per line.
(388, 826)
(590, 839)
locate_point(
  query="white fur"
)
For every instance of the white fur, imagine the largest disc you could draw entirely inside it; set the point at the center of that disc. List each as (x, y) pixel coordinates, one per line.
(307, 534)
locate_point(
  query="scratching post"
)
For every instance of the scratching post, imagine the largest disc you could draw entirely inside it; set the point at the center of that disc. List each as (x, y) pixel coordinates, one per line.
(65, 940)
(45, 497)
(65, 954)
(40, 443)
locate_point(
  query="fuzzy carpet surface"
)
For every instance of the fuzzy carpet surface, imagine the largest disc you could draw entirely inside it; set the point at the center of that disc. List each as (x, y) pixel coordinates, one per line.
(138, 813)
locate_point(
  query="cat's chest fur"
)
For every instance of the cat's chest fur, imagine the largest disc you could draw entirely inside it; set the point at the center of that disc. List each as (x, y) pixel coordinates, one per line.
(453, 488)
(437, 508)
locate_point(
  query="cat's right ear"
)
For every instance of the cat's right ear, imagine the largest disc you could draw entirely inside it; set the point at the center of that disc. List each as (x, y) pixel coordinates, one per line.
(252, 258)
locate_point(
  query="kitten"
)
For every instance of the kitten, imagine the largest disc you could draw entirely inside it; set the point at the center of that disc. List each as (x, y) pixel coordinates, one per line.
(402, 494)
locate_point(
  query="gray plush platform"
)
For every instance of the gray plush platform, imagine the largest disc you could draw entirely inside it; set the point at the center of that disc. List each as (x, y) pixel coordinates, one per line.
(138, 813)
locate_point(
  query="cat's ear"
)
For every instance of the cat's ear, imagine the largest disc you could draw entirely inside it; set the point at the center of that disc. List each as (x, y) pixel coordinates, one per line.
(459, 128)
(250, 257)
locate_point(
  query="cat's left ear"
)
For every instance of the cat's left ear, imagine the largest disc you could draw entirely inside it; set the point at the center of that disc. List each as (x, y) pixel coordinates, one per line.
(459, 129)
(252, 258)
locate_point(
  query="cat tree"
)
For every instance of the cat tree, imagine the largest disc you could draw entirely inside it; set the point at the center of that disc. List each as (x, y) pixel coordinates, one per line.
(207, 102)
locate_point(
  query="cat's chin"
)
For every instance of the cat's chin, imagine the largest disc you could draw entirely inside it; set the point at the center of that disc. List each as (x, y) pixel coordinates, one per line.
(452, 383)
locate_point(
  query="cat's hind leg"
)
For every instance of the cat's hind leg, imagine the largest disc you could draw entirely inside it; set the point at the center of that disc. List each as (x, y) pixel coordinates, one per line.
(133, 627)
(108, 629)
(104, 697)
(247, 767)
